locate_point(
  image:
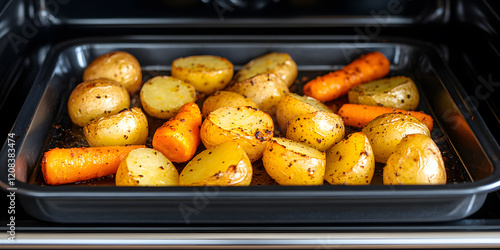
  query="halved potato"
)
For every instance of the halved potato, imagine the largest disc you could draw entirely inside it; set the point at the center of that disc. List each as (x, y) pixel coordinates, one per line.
(249, 127)
(280, 64)
(266, 90)
(416, 160)
(163, 96)
(226, 164)
(293, 163)
(146, 167)
(351, 161)
(293, 105)
(395, 92)
(119, 66)
(94, 99)
(387, 130)
(222, 99)
(205, 72)
(128, 127)
(320, 129)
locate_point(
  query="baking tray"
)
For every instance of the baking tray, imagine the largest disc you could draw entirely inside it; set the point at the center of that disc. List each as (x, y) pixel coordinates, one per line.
(458, 125)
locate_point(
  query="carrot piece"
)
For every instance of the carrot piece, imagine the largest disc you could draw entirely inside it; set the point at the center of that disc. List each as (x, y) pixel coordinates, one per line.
(179, 137)
(365, 68)
(356, 115)
(67, 165)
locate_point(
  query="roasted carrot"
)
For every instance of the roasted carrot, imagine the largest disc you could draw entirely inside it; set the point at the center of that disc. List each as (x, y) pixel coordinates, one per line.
(67, 165)
(365, 68)
(179, 137)
(356, 115)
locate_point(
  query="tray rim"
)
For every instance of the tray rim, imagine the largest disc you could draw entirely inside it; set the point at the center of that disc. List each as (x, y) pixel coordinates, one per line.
(488, 184)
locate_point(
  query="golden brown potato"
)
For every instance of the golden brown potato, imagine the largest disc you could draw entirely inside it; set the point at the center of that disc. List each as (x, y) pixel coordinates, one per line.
(206, 73)
(351, 161)
(280, 64)
(293, 105)
(395, 92)
(416, 160)
(265, 90)
(129, 127)
(225, 99)
(226, 164)
(95, 99)
(320, 130)
(249, 127)
(146, 167)
(387, 130)
(119, 66)
(293, 163)
(163, 96)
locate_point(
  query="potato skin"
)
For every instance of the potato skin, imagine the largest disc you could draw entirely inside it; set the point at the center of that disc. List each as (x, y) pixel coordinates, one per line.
(351, 161)
(395, 92)
(250, 128)
(416, 160)
(146, 167)
(163, 96)
(387, 130)
(320, 130)
(119, 66)
(293, 105)
(222, 99)
(266, 90)
(129, 127)
(206, 73)
(278, 63)
(226, 164)
(95, 99)
(293, 163)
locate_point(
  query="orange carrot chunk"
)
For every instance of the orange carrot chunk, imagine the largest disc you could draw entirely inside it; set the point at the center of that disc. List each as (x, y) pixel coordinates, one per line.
(365, 68)
(356, 115)
(179, 137)
(67, 165)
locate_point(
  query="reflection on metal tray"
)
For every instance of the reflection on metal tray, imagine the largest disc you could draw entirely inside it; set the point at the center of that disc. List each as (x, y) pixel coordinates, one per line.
(466, 148)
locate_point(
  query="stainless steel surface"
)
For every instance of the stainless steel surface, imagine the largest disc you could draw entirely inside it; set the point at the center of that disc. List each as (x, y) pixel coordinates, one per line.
(389, 240)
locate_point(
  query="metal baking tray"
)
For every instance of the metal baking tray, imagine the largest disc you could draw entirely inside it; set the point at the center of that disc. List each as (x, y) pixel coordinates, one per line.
(458, 128)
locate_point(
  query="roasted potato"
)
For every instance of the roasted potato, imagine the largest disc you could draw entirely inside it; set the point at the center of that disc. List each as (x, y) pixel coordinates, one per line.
(222, 99)
(265, 90)
(95, 99)
(249, 127)
(163, 96)
(320, 130)
(119, 66)
(416, 160)
(395, 92)
(293, 105)
(280, 64)
(293, 163)
(226, 164)
(128, 127)
(206, 73)
(351, 161)
(146, 167)
(387, 130)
